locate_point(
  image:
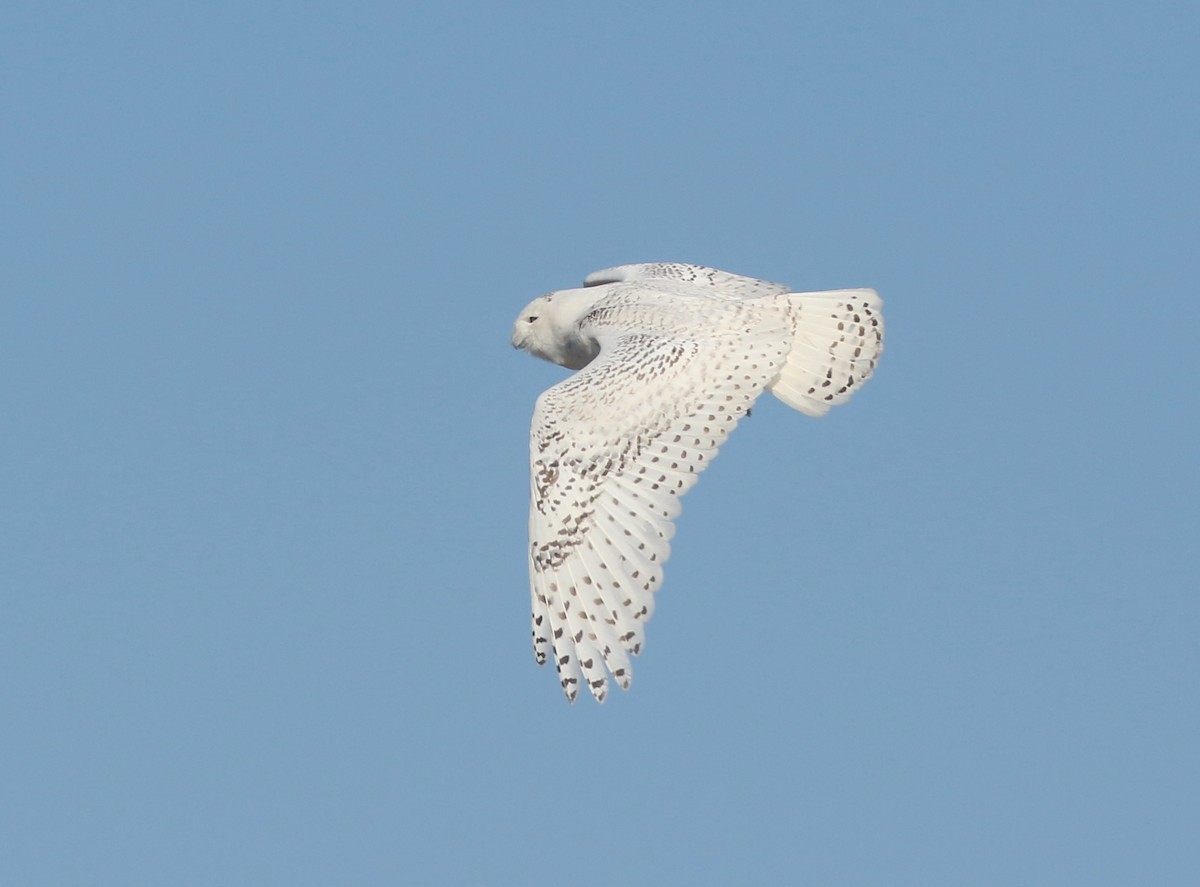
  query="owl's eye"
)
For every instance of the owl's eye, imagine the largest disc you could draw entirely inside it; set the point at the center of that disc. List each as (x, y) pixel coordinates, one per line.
(531, 318)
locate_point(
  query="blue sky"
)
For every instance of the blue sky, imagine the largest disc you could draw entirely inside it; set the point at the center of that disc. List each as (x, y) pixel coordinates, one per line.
(264, 476)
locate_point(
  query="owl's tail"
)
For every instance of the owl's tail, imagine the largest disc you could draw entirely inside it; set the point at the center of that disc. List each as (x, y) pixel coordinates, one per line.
(837, 339)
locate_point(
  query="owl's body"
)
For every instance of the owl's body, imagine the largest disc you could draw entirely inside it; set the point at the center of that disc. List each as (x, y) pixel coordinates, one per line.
(670, 357)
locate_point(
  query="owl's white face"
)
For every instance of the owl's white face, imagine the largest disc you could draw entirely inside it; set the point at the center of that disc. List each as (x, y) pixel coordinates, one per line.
(548, 327)
(533, 332)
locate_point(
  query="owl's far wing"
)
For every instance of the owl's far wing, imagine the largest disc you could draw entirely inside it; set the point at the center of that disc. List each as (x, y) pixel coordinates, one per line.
(714, 282)
(612, 450)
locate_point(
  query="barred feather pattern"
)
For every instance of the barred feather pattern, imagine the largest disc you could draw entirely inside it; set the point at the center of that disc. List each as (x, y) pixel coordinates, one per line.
(670, 358)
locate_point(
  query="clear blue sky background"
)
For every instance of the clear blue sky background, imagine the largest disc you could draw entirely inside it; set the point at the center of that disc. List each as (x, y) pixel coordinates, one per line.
(263, 507)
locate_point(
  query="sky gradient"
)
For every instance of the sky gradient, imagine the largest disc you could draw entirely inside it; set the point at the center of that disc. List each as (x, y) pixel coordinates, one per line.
(264, 481)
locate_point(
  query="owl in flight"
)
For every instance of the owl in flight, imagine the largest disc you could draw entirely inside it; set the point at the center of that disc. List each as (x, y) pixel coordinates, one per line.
(669, 358)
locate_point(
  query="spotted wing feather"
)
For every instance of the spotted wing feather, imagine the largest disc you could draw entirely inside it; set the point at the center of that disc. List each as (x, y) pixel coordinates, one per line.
(708, 282)
(613, 448)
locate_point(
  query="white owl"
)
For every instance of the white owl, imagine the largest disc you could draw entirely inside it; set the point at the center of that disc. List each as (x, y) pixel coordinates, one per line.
(670, 357)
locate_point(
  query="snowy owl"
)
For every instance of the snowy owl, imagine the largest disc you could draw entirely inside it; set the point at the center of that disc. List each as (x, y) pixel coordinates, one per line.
(670, 357)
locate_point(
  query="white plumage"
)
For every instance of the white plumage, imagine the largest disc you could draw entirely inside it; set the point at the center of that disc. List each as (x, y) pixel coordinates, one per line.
(670, 357)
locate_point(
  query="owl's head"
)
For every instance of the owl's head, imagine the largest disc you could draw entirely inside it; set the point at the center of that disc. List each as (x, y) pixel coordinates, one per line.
(549, 328)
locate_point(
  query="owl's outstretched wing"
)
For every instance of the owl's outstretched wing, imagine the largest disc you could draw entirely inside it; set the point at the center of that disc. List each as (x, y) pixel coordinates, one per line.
(708, 282)
(612, 450)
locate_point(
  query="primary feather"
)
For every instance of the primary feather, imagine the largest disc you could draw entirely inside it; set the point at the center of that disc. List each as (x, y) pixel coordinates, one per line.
(670, 357)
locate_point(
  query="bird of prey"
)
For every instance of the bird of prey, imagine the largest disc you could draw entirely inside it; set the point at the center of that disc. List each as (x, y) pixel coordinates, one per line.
(669, 358)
